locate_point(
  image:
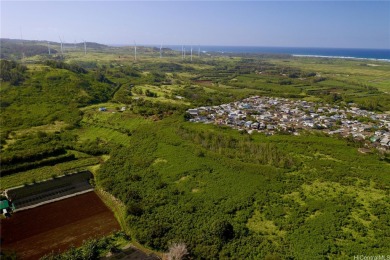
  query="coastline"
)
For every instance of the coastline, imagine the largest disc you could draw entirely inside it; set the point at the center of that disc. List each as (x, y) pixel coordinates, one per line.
(338, 57)
(345, 53)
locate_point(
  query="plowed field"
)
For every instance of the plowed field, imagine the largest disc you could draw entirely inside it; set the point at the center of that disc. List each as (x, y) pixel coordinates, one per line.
(56, 226)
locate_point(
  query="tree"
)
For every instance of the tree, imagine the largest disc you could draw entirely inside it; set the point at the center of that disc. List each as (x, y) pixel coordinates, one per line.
(223, 230)
(12, 71)
(90, 250)
(177, 251)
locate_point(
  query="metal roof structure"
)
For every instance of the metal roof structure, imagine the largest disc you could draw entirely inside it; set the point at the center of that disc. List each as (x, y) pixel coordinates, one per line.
(4, 204)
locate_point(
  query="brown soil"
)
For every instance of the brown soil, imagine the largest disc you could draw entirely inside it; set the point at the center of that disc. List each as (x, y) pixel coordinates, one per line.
(203, 82)
(56, 226)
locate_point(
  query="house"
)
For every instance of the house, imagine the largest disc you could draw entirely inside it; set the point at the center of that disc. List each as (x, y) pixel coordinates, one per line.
(248, 124)
(271, 127)
(101, 109)
(255, 125)
(240, 123)
(193, 112)
(233, 115)
(261, 125)
(374, 139)
(385, 142)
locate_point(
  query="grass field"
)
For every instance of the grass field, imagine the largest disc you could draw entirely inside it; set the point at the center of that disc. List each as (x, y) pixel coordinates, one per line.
(164, 93)
(110, 126)
(371, 73)
(50, 128)
(103, 133)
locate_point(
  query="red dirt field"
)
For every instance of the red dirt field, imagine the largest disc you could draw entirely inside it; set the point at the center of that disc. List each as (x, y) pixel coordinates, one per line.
(57, 226)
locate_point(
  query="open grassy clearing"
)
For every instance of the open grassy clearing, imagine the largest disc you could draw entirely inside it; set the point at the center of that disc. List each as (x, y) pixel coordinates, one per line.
(104, 133)
(258, 223)
(117, 120)
(165, 93)
(346, 70)
(49, 128)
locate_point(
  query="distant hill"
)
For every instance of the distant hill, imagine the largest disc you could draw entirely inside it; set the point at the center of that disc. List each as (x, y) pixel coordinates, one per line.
(14, 48)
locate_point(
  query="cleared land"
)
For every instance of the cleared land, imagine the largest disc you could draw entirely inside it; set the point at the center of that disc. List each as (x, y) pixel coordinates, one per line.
(57, 226)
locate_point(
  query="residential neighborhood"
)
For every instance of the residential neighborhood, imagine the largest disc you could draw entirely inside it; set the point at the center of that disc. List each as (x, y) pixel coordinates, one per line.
(270, 115)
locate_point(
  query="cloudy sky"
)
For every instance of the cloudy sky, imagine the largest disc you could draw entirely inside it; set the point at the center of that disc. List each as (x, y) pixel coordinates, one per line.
(345, 24)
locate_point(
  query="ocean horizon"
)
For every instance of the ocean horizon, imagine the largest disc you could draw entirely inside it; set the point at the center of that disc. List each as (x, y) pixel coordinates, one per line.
(344, 53)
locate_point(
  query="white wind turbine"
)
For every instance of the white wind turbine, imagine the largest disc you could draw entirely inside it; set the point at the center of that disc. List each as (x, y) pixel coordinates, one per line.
(21, 38)
(135, 51)
(62, 50)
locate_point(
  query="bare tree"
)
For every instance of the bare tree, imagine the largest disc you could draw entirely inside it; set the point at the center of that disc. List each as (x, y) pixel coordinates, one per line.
(177, 251)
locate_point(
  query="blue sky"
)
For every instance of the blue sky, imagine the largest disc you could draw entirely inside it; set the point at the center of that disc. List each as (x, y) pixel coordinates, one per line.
(345, 24)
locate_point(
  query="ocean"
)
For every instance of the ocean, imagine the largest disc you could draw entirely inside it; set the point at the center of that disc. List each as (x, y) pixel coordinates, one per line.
(372, 54)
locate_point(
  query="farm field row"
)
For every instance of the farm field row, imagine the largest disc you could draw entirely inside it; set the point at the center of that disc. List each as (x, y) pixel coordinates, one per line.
(56, 226)
(46, 172)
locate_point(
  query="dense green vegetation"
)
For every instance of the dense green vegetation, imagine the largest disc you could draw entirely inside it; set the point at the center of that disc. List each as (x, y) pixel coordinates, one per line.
(223, 203)
(48, 95)
(12, 72)
(224, 193)
(93, 248)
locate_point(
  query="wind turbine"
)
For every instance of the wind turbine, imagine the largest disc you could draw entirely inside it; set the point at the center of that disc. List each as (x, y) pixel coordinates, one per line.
(199, 51)
(48, 47)
(62, 50)
(135, 51)
(191, 52)
(160, 50)
(21, 37)
(182, 52)
(85, 47)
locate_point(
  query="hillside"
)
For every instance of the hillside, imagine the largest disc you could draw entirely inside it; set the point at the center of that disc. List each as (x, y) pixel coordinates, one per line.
(15, 48)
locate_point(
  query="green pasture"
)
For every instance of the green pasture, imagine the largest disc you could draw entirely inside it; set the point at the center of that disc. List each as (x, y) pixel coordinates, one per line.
(165, 93)
(104, 133)
(112, 118)
(49, 128)
(372, 73)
